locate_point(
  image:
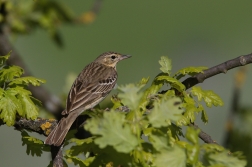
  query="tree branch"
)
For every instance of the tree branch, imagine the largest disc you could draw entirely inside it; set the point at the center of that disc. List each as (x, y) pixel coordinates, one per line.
(203, 135)
(57, 155)
(221, 68)
(200, 77)
(41, 126)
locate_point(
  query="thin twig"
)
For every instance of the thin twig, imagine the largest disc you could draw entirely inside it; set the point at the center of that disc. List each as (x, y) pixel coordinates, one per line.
(57, 156)
(221, 68)
(203, 135)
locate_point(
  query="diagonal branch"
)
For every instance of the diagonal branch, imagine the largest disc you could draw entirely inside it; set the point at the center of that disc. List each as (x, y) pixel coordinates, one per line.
(221, 68)
(200, 77)
(203, 135)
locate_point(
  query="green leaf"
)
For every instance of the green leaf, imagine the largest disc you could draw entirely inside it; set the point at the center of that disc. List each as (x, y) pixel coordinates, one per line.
(209, 96)
(113, 131)
(188, 99)
(193, 149)
(182, 144)
(190, 108)
(152, 90)
(82, 146)
(159, 139)
(2, 91)
(134, 117)
(226, 159)
(82, 141)
(142, 156)
(175, 131)
(183, 121)
(170, 93)
(190, 71)
(116, 102)
(3, 59)
(173, 82)
(29, 109)
(9, 105)
(165, 63)
(165, 112)
(33, 140)
(143, 82)
(189, 111)
(80, 162)
(110, 156)
(18, 100)
(212, 148)
(27, 80)
(192, 153)
(174, 157)
(130, 95)
(8, 73)
(34, 145)
(192, 135)
(204, 116)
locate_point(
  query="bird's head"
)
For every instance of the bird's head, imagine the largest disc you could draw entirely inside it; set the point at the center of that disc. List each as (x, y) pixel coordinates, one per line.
(111, 58)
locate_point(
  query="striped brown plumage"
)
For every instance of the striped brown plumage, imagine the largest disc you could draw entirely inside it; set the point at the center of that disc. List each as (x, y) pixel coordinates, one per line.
(91, 86)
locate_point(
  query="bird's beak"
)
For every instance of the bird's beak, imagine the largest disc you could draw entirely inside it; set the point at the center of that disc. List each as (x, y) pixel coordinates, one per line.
(124, 57)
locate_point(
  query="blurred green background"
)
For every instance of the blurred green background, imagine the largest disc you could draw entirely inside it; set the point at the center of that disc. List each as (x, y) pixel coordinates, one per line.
(191, 33)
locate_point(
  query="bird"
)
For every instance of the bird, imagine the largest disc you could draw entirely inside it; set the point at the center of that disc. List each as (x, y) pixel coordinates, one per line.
(91, 86)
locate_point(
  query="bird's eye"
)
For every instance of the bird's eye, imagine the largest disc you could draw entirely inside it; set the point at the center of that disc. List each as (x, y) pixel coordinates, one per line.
(113, 57)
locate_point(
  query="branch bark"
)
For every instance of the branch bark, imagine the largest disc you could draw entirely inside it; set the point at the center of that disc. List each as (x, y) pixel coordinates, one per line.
(203, 135)
(221, 68)
(57, 156)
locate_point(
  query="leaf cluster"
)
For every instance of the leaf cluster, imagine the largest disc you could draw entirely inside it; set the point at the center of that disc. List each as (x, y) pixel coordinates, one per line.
(150, 133)
(34, 146)
(15, 99)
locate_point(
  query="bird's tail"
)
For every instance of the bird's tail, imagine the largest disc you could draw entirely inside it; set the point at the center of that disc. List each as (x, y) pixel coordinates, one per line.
(59, 133)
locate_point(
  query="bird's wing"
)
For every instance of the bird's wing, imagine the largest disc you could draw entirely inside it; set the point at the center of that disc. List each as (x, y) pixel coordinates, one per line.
(87, 91)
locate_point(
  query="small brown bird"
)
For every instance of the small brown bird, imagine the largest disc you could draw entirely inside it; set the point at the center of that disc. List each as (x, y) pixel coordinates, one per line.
(92, 85)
